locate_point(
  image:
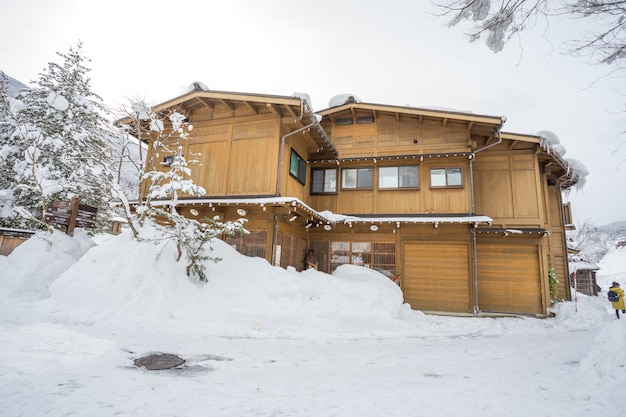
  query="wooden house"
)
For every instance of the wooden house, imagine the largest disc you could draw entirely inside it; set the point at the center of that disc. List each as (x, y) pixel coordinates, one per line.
(465, 217)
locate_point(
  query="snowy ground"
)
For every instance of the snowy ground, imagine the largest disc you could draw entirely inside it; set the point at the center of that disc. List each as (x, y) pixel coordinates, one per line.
(263, 341)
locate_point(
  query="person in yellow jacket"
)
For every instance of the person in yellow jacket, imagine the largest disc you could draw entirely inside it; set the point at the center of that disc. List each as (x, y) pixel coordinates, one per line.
(619, 304)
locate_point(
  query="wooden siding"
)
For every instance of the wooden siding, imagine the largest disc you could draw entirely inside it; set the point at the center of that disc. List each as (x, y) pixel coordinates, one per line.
(252, 166)
(507, 188)
(557, 247)
(509, 278)
(237, 151)
(391, 134)
(8, 244)
(437, 276)
(215, 157)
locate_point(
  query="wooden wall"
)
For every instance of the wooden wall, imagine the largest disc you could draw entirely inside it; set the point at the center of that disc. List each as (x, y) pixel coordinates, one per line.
(507, 187)
(237, 153)
(558, 246)
(8, 243)
(391, 134)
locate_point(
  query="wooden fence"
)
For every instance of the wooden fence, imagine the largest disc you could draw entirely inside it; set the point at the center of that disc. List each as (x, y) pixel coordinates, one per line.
(12, 238)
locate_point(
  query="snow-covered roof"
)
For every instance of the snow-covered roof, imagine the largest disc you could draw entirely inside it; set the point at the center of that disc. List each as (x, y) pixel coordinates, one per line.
(581, 265)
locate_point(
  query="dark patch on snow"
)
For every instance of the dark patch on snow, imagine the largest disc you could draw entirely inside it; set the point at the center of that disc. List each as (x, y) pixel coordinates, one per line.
(159, 361)
(169, 362)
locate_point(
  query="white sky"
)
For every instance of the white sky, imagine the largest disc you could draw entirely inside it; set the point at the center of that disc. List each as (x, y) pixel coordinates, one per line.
(392, 52)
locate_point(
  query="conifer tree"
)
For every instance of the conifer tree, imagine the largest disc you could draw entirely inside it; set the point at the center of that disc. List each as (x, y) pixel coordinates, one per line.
(57, 147)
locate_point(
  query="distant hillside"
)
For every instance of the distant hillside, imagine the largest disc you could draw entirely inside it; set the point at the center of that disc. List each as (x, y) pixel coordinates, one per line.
(14, 86)
(600, 239)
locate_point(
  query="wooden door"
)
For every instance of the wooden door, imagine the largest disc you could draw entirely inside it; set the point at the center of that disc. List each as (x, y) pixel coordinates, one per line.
(437, 276)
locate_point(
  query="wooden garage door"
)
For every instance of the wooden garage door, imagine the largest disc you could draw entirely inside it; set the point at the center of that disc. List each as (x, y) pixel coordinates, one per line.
(508, 278)
(437, 276)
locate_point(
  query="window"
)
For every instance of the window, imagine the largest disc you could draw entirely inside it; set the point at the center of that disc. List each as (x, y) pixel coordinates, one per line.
(398, 177)
(344, 121)
(353, 178)
(167, 160)
(324, 181)
(567, 214)
(378, 256)
(364, 119)
(446, 177)
(297, 167)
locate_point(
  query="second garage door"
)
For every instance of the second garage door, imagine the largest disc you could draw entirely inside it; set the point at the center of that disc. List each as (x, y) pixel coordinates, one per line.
(508, 278)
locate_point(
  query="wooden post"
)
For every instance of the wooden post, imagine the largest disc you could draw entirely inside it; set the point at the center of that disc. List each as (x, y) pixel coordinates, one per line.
(73, 213)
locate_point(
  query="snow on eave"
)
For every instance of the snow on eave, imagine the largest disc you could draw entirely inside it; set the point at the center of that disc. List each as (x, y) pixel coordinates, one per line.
(259, 201)
(575, 172)
(326, 216)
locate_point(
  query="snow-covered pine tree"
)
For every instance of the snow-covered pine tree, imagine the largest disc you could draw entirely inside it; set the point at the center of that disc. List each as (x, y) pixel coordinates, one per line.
(59, 146)
(8, 155)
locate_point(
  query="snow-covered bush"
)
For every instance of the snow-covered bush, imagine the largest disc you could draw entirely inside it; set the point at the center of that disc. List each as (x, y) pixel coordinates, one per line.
(159, 190)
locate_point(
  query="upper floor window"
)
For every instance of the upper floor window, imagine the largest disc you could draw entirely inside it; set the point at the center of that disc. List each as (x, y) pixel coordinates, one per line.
(324, 181)
(446, 177)
(344, 121)
(297, 167)
(354, 178)
(398, 177)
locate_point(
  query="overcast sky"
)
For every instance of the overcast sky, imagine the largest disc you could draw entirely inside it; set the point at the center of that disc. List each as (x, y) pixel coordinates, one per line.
(388, 52)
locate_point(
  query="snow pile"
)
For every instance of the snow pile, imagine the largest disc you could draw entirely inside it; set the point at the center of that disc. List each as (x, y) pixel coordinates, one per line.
(34, 265)
(551, 143)
(244, 295)
(304, 97)
(341, 99)
(197, 86)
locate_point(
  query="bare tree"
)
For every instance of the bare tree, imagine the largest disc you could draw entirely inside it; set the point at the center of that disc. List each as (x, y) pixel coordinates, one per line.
(500, 20)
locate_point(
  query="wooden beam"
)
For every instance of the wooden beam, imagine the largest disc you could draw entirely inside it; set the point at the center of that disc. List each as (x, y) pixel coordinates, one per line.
(227, 104)
(469, 133)
(274, 109)
(206, 102)
(251, 107)
(512, 144)
(291, 112)
(490, 140)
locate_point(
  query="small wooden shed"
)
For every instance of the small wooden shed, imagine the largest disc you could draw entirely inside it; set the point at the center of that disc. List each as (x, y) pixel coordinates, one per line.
(583, 277)
(12, 238)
